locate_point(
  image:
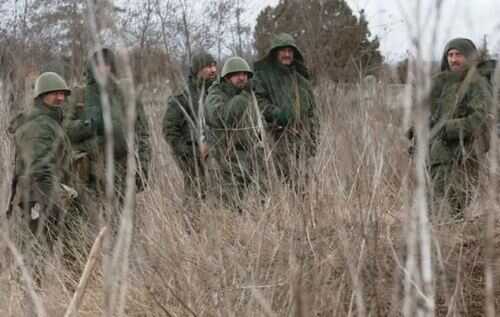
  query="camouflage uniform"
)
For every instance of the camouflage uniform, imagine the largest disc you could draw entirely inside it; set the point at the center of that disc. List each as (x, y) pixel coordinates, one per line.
(461, 115)
(183, 128)
(42, 191)
(287, 101)
(234, 134)
(85, 126)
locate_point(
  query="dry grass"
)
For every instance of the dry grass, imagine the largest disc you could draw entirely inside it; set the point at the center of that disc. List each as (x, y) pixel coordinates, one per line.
(339, 250)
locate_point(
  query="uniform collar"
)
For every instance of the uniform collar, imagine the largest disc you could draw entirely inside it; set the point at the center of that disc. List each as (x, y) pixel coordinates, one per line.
(41, 108)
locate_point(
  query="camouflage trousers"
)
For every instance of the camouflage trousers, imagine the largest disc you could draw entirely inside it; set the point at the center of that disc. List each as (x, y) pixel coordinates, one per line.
(291, 155)
(194, 174)
(454, 187)
(238, 171)
(40, 227)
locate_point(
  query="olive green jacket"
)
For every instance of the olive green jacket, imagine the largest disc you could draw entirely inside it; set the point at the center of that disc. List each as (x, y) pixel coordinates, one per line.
(43, 154)
(235, 134)
(285, 94)
(461, 115)
(85, 123)
(231, 117)
(181, 127)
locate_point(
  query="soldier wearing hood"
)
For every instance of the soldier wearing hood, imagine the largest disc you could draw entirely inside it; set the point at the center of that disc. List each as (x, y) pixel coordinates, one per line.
(461, 114)
(287, 102)
(183, 124)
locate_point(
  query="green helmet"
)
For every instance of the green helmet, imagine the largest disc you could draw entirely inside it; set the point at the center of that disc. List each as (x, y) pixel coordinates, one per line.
(50, 82)
(236, 64)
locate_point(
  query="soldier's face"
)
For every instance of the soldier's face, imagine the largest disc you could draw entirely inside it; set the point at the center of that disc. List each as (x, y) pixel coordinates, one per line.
(239, 79)
(285, 55)
(54, 99)
(456, 60)
(208, 72)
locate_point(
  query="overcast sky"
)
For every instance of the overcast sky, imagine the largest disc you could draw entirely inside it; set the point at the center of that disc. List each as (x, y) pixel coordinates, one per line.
(395, 21)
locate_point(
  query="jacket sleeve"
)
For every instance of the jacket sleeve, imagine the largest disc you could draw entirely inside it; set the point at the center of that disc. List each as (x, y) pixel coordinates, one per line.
(77, 124)
(235, 108)
(39, 145)
(262, 94)
(479, 107)
(215, 109)
(79, 130)
(172, 127)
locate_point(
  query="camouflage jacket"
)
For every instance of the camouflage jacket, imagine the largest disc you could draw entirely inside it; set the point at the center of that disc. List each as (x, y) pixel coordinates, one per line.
(285, 92)
(232, 117)
(43, 154)
(181, 122)
(84, 123)
(461, 115)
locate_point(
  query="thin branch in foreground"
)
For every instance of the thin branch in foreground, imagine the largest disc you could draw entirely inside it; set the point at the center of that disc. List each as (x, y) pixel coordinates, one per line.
(40, 310)
(77, 299)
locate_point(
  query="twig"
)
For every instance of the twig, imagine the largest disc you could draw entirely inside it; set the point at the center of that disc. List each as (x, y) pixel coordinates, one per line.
(40, 310)
(77, 299)
(167, 285)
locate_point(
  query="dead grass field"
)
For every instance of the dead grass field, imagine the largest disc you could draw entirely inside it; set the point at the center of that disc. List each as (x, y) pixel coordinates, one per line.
(339, 250)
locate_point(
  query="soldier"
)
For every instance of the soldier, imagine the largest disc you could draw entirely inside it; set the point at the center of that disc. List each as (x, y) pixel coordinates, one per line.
(103, 84)
(232, 117)
(183, 126)
(287, 101)
(81, 131)
(42, 194)
(461, 114)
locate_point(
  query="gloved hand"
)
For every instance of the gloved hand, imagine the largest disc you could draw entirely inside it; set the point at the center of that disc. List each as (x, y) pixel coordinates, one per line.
(87, 128)
(236, 107)
(282, 117)
(89, 124)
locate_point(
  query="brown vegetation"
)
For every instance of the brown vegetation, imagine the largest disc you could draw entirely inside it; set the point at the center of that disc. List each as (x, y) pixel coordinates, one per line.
(351, 244)
(335, 251)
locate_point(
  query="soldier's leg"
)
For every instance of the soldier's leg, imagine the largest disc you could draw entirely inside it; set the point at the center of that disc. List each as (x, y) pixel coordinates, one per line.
(440, 190)
(232, 182)
(259, 171)
(464, 183)
(282, 158)
(194, 178)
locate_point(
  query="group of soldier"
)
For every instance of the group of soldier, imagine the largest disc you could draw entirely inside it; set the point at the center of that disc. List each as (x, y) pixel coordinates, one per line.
(65, 148)
(243, 119)
(244, 112)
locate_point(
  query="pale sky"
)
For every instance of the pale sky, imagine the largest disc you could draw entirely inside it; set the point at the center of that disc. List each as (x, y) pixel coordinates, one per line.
(395, 21)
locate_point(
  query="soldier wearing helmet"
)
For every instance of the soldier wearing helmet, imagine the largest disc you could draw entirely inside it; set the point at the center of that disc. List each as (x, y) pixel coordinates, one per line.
(232, 117)
(41, 188)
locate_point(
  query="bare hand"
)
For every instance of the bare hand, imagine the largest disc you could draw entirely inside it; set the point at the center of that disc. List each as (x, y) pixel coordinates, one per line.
(204, 151)
(35, 211)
